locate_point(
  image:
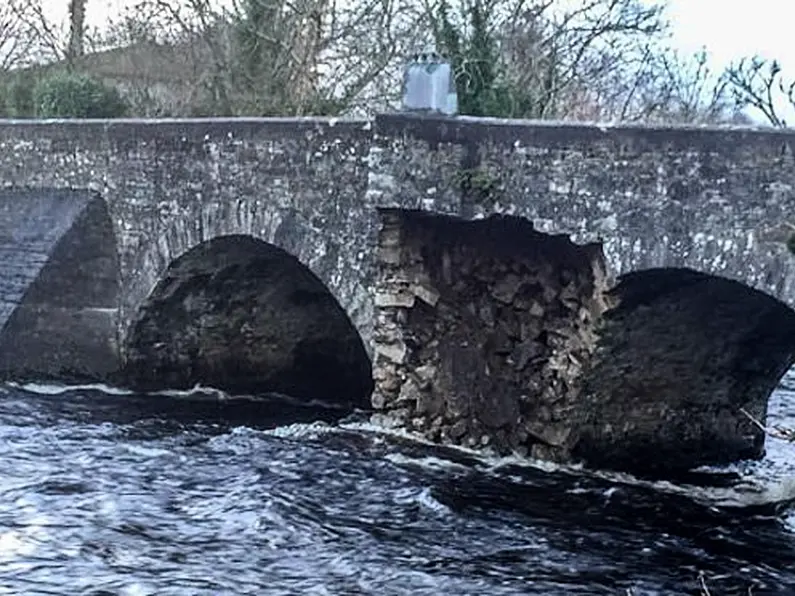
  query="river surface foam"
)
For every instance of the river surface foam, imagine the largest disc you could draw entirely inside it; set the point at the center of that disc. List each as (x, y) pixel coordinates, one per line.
(107, 492)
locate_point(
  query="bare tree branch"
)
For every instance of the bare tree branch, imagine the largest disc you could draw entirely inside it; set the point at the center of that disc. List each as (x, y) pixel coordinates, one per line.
(306, 56)
(754, 83)
(585, 59)
(49, 39)
(15, 39)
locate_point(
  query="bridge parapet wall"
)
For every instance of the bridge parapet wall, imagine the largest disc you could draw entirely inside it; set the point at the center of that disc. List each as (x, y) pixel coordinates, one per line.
(717, 200)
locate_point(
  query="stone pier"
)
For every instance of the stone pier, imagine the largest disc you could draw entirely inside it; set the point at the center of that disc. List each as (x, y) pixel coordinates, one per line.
(492, 335)
(482, 331)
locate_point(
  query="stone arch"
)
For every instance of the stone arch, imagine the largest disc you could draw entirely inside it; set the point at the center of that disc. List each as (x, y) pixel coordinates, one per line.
(180, 228)
(757, 258)
(680, 353)
(241, 314)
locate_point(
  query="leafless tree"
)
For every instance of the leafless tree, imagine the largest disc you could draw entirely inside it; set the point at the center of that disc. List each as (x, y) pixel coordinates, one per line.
(46, 38)
(595, 60)
(662, 85)
(15, 39)
(759, 84)
(596, 38)
(77, 29)
(585, 59)
(286, 57)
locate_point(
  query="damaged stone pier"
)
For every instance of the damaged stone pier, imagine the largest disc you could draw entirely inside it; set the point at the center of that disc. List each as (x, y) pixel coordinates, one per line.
(482, 330)
(490, 334)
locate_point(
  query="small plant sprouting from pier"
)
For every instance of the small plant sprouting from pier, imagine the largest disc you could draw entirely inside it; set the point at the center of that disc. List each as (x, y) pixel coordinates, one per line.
(791, 243)
(478, 183)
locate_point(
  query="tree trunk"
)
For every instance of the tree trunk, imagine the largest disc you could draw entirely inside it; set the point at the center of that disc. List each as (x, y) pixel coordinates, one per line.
(77, 19)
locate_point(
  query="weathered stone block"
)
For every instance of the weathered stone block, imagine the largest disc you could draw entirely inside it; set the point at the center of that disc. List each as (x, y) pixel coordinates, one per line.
(468, 355)
(394, 352)
(426, 293)
(526, 352)
(457, 430)
(505, 289)
(551, 433)
(379, 400)
(536, 309)
(394, 299)
(426, 373)
(389, 255)
(409, 393)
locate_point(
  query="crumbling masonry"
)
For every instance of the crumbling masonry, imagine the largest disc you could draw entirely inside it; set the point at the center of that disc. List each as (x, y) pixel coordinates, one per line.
(482, 331)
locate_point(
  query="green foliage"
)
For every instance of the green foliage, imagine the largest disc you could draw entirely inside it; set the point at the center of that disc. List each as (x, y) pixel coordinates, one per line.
(254, 48)
(478, 184)
(75, 95)
(325, 106)
(791, 243)
(266, 76)
(482, 85)
(257, 72)
(18, 97)
(4, 113)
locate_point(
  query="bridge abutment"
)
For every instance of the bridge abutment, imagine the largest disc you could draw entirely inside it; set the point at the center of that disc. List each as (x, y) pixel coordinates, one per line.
(59, 286)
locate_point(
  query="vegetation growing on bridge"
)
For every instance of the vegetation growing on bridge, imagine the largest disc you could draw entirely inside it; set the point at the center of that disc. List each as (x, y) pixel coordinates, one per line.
(591, 59)
(478, 184)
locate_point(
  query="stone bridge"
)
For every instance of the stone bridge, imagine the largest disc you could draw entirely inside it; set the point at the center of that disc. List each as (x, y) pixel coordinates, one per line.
(609, 293)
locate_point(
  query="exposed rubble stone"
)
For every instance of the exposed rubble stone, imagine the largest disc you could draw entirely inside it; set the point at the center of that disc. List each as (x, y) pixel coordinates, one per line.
(482, 331)
(502, 338)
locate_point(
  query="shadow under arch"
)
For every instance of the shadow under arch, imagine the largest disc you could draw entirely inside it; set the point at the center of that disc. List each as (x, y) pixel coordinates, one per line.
(239, 314)
(679, 355)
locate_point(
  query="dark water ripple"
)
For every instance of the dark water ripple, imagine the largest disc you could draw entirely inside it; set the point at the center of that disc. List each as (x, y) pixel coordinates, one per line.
(106, 494)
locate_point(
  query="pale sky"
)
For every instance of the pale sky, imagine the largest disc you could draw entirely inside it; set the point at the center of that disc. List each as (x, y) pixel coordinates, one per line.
(728, 28)
(734, 28)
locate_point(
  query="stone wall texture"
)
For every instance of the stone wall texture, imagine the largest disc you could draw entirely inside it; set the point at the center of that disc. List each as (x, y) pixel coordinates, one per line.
(59, 285)
(482, 330)
(715, 200)
(170, 185)
(581, 205)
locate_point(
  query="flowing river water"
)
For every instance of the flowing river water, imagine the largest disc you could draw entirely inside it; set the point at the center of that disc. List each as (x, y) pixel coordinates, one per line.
(107, 493)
